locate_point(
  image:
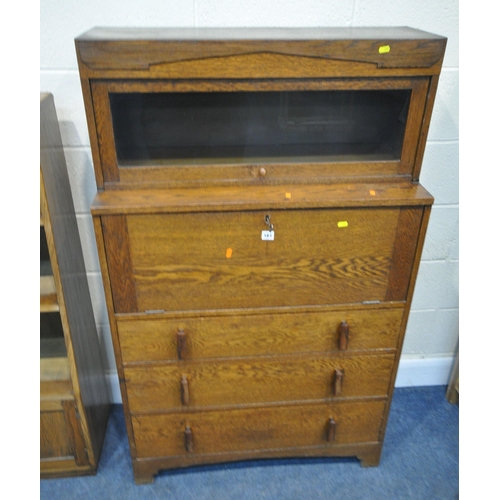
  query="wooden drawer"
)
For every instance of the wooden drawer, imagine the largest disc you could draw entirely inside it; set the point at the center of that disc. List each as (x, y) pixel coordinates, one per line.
(257, 428)
(176, 386)
(217, 336)
(218, 260)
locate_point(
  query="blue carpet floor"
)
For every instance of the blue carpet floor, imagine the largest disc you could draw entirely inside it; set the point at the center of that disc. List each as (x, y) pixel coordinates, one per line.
(419, 461)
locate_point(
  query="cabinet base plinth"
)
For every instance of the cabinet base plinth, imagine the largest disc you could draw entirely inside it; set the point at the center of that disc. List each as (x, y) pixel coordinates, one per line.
(145, 470)
(372, 458)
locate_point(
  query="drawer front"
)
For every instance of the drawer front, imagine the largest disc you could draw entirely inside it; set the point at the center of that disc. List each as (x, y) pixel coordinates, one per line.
(252, 335)
(198, 261)
(177, 386)
(257, 429)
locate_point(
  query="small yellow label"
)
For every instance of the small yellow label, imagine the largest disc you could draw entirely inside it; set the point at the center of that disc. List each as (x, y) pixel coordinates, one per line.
(288, 195)
(383, 49)
(342, 223)
(372, 192)
(229, 253)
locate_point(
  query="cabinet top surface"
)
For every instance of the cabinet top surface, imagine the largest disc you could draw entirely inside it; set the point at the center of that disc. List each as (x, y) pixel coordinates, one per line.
(152, 49)
(198, 34)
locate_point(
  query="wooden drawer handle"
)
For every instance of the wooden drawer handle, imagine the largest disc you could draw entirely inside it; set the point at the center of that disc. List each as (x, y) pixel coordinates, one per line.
(343, 335)
(185, 390)
(332, 427)
(188, 439)
(181, 344)
(338, 378)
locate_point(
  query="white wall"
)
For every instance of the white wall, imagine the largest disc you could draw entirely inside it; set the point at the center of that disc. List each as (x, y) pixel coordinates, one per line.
(432, 333)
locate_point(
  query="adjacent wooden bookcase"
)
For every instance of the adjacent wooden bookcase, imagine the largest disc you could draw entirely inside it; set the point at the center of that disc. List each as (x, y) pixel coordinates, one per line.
(259, 224)
(74, 395)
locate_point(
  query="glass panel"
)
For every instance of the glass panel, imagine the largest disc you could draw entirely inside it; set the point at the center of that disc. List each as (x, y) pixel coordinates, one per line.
(51, 330)
(45, 266)
(52, 343)
(259, 127)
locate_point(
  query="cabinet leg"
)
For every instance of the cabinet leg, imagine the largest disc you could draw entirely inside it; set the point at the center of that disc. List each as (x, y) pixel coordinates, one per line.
(144, 479)
(144, 474)
(370, 459)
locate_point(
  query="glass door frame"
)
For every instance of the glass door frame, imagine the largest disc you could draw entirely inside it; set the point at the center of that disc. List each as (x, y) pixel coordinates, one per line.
(115, 176)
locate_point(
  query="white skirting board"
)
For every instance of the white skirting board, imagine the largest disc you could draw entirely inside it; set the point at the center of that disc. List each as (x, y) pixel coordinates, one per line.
(427, 371)
(411, 373)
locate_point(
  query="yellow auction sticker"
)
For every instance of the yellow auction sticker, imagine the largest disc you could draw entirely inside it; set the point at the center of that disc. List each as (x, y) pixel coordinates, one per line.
(342, 223)
(383, 49)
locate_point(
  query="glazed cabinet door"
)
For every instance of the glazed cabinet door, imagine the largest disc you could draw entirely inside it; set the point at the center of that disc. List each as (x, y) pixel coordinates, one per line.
(163, 132)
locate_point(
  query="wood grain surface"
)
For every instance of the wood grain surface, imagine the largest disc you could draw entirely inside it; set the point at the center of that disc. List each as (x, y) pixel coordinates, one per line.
(83, 392)
(55, 439)
(257, 429)
(130, 50)
(232, 343)
(163, 387)
(178, 262)
(229, 198)
(233, 335)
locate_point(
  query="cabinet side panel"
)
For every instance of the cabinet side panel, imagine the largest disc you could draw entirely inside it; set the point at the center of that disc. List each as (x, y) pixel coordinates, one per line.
(84, 350)
(415, 114)
(75, 433)
(404, 252)
(117, 248)
(431, 96)
(91, 124)
(104, 130)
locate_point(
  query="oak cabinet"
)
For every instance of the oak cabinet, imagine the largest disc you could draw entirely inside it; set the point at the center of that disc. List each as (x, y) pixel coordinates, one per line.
(74, 395)
(259, 224)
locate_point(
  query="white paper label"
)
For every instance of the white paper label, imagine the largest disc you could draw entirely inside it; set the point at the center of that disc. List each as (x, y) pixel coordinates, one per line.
(268, 235)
